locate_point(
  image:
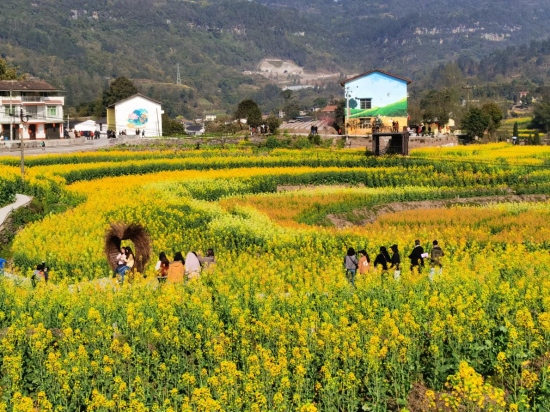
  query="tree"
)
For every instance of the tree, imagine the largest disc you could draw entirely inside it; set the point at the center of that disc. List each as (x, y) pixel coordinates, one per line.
(320, 102)
(171, 127)
(249, 110)
(437, 105)
(475, 122)
(119, 89)
(515, 131)
(541, 116)
(9, 73)
(273, 122)
(493, 111)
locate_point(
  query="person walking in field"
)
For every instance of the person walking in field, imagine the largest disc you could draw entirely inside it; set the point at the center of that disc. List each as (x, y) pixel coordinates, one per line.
(176, 269)
(364, 262)
(416, 256)
(382, 259)
(192, 266)
(207, 260)
(436, 255)
(162, 267)
(351, 264)
(395, 262)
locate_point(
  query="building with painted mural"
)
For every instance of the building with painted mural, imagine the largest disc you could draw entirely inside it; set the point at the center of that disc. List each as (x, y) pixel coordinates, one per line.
(375, 97)
(137, 113)
(42, 106)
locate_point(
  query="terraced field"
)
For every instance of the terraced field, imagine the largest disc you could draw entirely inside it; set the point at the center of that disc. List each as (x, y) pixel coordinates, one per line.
(275, 325)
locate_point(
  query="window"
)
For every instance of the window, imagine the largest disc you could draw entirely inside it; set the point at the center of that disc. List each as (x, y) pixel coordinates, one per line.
(366, 104)
(52, 111)
(7, 111)
(30, 110)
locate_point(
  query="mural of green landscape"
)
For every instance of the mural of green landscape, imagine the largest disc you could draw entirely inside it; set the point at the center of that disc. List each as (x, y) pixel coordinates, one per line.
(397, 109)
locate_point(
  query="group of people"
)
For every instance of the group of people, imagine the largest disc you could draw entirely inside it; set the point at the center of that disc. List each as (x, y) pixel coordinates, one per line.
(314, 130)
(395, 126)
(181, 269)
(387, 262)
(40, 274)
(125, 262)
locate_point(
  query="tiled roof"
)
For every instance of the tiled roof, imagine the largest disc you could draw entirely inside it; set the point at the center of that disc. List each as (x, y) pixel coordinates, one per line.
(26, 85)
(376, 71)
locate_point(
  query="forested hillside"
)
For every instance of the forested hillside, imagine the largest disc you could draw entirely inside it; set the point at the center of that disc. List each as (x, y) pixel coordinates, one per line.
(79, 44)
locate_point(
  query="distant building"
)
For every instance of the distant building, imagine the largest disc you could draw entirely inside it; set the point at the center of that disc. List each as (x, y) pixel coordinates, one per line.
(137, 112)
(195, 130)
(39, 100)
(328, 114)
(523, 94)
(210, 117)
(375, 94)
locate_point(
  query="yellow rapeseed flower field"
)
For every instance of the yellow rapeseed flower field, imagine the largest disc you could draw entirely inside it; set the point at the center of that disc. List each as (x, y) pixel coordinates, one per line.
(275, 325)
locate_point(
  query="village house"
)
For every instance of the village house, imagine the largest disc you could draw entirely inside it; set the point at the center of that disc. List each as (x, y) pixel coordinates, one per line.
(137, 113)
(40, 101)
(210, 117)
(375, 96)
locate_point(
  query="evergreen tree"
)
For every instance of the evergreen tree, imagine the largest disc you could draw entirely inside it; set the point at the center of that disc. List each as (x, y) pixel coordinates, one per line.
(516, 130)
(249, 110)
(120, 88)
(475, 123)
(495, 115)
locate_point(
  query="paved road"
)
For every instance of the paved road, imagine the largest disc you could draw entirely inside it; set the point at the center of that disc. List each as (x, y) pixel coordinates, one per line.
(90, 145)
(20, 201)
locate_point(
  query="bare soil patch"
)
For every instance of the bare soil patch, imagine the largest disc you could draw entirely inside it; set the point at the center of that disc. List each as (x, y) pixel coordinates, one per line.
(363, 216)
(291, 188)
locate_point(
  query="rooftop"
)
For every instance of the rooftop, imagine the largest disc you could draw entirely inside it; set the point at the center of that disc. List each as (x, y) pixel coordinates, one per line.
(135, 95)
(26, 85)
(375, 71)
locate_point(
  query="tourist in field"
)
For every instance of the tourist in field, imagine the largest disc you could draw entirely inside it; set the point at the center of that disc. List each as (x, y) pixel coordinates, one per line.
(192, 266)
(416, 256)
(176, 269)
(395, 262)
(351, 264)
(364, 262)
(129, 263)
(120, 261)
(2, 265)
(435, 258)
(382, 259)
(207, 260)
(163, 265)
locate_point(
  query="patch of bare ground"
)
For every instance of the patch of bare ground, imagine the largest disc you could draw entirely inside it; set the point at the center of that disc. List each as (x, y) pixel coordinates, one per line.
(291, 188)
(363, 216)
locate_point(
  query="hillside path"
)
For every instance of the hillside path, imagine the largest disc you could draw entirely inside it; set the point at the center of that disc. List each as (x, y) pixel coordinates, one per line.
(20, 201)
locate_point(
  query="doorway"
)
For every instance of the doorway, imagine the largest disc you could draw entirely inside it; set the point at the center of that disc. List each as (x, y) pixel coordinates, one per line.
(32, 131)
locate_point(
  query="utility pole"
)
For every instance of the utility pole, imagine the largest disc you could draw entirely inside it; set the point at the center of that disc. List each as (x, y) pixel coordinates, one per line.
(346, 117)
(178, 78)
(11, 114)
(468, 101)
(24, 120)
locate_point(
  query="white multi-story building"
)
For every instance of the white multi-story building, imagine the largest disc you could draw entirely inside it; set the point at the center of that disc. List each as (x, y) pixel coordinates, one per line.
(42, 106)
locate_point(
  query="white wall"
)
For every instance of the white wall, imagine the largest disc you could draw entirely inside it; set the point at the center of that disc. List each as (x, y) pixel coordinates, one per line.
(153, 125)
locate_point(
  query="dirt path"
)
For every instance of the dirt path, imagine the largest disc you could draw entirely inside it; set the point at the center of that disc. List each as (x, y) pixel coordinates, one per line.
(369, 215)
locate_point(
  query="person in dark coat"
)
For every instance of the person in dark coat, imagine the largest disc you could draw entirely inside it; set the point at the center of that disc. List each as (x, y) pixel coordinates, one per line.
(416, 256)
(382, 259)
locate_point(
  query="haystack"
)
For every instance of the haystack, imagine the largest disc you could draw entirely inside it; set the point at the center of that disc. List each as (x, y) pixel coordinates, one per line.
(134, 232)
